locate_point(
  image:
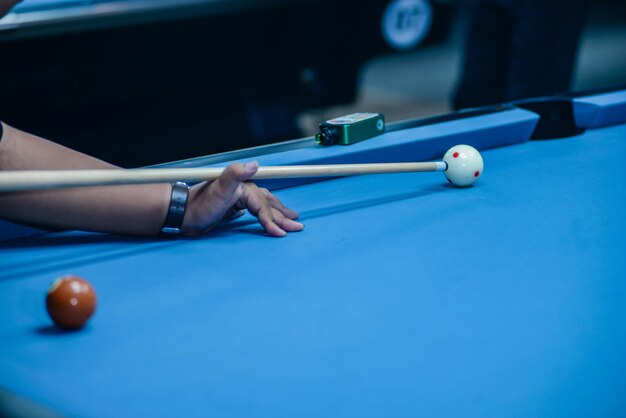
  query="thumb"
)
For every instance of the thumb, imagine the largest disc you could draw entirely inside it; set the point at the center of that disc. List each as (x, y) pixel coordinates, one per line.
(249, 170)
(228, 182)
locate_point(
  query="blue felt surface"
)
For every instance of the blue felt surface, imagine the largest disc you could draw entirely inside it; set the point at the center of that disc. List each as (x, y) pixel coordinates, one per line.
(402, 297)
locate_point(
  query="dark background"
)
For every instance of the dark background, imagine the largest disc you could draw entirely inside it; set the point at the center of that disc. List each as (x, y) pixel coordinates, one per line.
(422, 82)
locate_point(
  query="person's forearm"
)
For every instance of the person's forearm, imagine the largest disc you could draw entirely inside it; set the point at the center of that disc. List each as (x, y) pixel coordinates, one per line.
(22, 151)
(134, 209)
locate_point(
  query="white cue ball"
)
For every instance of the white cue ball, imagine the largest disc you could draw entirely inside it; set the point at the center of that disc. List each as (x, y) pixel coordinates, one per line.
(465, 165)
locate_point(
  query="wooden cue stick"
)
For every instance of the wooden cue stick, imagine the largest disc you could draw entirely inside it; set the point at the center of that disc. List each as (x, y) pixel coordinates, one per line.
(22, 180)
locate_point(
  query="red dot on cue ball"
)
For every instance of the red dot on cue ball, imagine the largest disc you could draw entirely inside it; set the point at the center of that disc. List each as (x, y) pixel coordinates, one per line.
(70, 302)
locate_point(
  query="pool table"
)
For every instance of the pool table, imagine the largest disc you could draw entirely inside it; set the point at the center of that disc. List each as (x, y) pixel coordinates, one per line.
(404, 296)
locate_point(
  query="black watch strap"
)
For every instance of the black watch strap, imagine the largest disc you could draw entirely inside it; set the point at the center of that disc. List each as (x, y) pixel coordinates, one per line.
(176, 212)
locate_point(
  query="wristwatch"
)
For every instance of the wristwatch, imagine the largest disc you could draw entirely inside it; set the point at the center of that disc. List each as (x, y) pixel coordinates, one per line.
(176, 212)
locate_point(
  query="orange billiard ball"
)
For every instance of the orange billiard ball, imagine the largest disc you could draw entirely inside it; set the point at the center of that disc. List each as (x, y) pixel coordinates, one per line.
(70, 302)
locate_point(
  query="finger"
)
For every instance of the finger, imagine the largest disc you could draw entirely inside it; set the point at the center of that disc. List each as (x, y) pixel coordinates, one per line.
(266, 218)
(256, 203)
(277, 204)
(285, 223)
